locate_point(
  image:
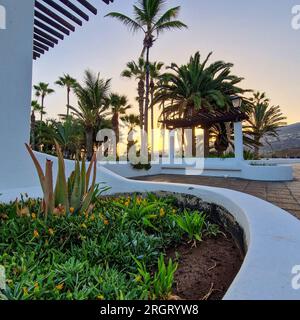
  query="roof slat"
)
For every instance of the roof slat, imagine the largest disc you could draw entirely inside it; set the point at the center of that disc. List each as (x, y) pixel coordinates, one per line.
(39, 50)
(54, 16)
(72, 6)
(43, 40)
(63, 11)
(87, 5)
(45, 35)
(51, 22)
(40, 45)
(48, 29)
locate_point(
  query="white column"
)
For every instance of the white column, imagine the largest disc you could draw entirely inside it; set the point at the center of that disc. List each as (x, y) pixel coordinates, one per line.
(171, 146)
(15, 93)
(238, 141)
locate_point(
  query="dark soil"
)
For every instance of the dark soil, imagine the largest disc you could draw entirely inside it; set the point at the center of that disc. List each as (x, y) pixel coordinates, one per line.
(205, 272)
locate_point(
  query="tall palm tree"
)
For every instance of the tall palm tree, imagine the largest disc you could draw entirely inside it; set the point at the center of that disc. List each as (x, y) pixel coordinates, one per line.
(196, 86)
(264, 120)
(132, 121)
(41, 91)
(92, 106)
(119, 105)
(152, 21)
(137, 70)
(69, 83)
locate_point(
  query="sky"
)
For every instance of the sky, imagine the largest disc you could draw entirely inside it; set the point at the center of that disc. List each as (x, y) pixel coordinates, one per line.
(255, 35)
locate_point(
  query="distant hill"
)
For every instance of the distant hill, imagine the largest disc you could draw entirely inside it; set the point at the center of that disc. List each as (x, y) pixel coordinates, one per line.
(288, 143)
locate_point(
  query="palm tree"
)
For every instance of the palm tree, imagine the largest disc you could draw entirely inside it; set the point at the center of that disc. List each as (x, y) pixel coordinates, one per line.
(264, 120)
(35, 106)
(132, 121)
(137, 70)
(119, 105)
(70, 136)
(69, 83)
(92, 106)
(152, 21)
(196, 86)
(42, 90)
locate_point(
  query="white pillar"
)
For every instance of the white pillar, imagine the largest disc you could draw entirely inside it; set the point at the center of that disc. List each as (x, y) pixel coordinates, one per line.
(238, 141)
(15, 93)
(171, 146)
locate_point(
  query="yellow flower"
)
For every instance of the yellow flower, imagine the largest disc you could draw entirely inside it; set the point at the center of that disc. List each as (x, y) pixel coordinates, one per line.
(35, 234)
(83, 225)
(138, 278)
(162, 212)
(106, 222)
(59, 287)
(174, 211)
(100, 297)
(51, 231)
(33, 216)
(138, 200)
(72, 210)
(101, 216)
(36, 285)
(25, 291)
(126, 203)
(92, 217)
(9, 282)
(86, 215)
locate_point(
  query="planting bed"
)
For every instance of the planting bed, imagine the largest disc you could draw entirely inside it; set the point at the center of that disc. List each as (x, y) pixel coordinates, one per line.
(114, 251)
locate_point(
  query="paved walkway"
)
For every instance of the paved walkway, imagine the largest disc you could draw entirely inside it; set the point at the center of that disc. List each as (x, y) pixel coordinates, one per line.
(285, 195)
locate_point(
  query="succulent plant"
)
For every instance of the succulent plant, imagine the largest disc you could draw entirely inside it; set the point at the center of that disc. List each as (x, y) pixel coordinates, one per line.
(72, 195)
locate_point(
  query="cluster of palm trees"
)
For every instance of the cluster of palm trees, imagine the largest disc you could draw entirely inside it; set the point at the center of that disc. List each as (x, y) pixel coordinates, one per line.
(178, 91)
(97, 108)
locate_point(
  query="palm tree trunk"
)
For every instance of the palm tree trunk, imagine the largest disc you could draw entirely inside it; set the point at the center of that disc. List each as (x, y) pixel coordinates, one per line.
(256, 148)
(206, 142)
(42, 108)
(152, 116)
(68, 101)
(89, 143)
(147, 90)
(141, 93)
(32, 130)
(194, 151)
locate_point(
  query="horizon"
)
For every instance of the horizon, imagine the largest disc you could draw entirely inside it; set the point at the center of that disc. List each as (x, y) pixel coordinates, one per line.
(273, 69)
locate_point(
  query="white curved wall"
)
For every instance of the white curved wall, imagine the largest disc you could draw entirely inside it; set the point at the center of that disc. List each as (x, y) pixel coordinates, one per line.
(272, 234)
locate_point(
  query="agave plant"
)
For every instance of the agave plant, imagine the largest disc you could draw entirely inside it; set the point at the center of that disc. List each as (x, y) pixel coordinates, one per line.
(72, 195)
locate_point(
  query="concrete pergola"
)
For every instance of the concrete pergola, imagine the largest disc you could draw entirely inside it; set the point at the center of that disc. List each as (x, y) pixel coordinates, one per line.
(28, 29)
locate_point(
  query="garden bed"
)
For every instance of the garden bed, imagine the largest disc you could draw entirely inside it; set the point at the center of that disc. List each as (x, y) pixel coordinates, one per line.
(114, 251)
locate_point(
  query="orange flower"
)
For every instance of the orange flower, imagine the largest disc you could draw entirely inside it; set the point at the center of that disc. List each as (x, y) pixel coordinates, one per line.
(35, 234)
(106, 222)
(72, 210)
(59, 287)
(33, 216)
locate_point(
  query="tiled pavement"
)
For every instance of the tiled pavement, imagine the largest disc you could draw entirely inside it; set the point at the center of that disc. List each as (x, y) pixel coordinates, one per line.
(283, 194)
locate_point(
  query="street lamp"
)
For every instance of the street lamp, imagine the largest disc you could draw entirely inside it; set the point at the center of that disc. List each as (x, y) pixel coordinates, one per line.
(236, 101)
